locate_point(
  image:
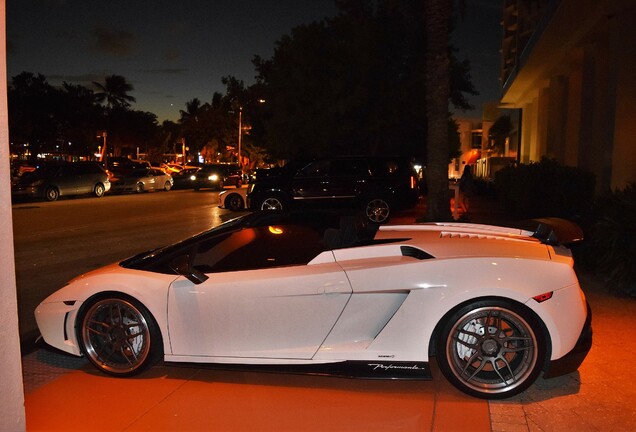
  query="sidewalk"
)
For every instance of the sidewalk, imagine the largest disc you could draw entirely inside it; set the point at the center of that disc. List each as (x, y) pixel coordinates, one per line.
(187, 399)
(65, 393)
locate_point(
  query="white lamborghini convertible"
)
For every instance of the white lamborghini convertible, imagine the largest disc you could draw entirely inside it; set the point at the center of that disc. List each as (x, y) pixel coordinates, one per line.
(309, 292)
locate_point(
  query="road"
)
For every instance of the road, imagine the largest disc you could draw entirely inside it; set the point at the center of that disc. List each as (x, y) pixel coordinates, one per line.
(56, 241)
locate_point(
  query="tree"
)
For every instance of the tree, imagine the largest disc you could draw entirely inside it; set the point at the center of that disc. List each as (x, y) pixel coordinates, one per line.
(352, 84)
(211, 128)
(114, 92)
(437, 17)
(31, 102)
(79, 118)
(192, 111)
(132, 130)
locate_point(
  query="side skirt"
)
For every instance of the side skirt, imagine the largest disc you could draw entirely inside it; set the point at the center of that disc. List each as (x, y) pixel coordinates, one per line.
(347, 369)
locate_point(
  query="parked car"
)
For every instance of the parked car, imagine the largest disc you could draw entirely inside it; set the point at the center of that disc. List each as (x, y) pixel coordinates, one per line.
(123, 165)
(51, 180)
(143, 180)
(185, 179)
(233, 199)
(313, 292)
(378, 185)
(217, 176)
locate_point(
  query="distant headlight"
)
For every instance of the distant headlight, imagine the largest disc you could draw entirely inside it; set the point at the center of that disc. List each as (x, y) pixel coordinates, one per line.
(213, 177)
(193, 177)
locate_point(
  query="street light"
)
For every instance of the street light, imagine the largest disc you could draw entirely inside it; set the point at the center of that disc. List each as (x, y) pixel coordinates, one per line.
(240, 131)
(240, 135)
(102, 154)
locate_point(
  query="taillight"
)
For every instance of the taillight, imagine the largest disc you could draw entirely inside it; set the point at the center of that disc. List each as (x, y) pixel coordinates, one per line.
(413, 182)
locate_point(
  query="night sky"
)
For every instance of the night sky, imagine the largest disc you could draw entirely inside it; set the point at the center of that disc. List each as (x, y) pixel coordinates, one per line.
(174, 51)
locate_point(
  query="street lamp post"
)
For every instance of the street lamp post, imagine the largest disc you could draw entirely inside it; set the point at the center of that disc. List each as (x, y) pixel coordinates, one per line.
(102, 156)
(240, 135)
(183, 152)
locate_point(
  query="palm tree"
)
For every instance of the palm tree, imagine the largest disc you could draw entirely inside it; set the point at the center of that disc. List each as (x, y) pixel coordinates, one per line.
(437, 18)
(114, 92)
(192, 111)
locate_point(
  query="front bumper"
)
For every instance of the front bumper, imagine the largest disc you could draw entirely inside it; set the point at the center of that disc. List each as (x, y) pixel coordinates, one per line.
(572, 360)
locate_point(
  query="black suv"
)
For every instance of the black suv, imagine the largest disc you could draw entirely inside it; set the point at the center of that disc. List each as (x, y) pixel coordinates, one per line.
(378, 185)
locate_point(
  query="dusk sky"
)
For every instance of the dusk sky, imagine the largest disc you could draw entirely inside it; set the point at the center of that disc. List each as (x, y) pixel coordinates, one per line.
(172, 52)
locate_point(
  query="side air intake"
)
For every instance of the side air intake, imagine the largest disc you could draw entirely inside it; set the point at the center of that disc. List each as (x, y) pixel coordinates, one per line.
(416, 253)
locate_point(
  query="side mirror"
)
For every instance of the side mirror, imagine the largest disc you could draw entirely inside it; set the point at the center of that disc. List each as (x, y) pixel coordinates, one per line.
(181, 265)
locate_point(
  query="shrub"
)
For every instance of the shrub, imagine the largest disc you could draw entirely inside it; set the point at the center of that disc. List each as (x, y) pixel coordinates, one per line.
(610, 248)
(545, 189)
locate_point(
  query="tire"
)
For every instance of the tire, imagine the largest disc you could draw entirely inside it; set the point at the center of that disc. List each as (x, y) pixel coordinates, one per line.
(234, 202)
(118, 336)
(271, 203)
(491, 349)
(99, 190)
(167, 186)
(377, 210)
(139, 187)
(52, 193)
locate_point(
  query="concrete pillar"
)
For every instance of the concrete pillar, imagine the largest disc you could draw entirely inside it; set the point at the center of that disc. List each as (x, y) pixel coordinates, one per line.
(543, 115)
(574, 94)
(624, 150)
(12, 416)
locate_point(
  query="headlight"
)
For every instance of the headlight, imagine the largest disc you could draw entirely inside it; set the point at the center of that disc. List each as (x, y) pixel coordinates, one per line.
(193, 177)
(213, 177)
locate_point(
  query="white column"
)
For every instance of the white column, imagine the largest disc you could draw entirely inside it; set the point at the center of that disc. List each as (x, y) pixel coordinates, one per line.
(12, 416)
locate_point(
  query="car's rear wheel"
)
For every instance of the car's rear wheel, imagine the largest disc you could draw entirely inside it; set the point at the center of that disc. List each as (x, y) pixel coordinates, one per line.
(491, 349)
(234, 202)
(377, 210)
(52, 193)
(119, 336)
(272, 203)
(99, 190)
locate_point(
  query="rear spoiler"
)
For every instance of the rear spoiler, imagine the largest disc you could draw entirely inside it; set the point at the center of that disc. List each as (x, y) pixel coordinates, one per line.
(554, 231)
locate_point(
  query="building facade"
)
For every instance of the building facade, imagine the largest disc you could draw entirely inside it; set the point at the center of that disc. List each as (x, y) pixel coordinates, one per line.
(569, 75)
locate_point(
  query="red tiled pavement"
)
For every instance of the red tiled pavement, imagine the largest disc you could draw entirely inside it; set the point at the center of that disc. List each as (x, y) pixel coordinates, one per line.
(185, 399)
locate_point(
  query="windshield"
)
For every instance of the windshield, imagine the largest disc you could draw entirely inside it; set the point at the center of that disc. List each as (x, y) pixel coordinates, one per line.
(142, 259)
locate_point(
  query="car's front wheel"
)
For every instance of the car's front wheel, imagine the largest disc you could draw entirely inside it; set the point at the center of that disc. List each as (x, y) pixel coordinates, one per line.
(139, 187)
(377, 210)
(491, 349)
(167, 186)
(234, 202)
(119, 336)
(272, 203)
